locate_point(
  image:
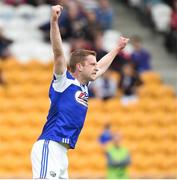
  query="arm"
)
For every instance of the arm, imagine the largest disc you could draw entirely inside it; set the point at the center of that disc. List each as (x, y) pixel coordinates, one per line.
(59, 60)
(105, 62)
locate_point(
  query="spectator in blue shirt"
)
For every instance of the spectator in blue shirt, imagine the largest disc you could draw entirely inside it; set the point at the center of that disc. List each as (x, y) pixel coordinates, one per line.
(104, 14)
(140, 57)
(106, 135)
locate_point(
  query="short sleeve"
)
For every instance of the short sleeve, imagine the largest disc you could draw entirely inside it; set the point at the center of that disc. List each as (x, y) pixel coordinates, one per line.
(59, 77)
(61, 82)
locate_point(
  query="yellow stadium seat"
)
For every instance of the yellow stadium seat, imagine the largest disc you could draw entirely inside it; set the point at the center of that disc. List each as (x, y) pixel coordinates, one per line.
(151, 78)
(148, 127)
(95, 104)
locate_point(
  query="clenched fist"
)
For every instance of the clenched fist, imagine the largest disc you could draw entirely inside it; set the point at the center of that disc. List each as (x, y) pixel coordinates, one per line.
(56, 12)
(122, 42)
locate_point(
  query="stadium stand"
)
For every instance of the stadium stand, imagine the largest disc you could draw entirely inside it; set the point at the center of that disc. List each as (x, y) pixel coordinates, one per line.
(148, 127)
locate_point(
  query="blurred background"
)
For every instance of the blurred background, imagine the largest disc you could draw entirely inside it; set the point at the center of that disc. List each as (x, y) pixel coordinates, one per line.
(131, 126)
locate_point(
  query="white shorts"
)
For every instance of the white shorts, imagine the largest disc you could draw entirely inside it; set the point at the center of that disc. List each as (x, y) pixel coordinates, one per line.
(49, 160)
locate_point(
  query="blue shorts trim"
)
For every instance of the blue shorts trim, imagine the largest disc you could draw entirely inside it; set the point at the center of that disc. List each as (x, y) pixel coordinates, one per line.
(44, 159)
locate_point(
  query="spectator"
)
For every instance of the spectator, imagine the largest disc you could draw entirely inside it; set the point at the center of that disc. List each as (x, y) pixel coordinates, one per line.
(119, 61)
(104, 14)
(4, 44)
(98, 45)
(145, 10)
(92, 26)
(129, 82)
(78, 42)
(118, 159)
(104, 87)
(171, 38)
(106, 135)
(174, 17)
(140, 56)
(72, 22)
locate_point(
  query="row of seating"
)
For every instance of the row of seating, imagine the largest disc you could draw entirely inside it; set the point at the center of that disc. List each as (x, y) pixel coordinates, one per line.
(127, 131)
(13, 64)
(41, 73)
(18, 70)
(42, 85)
(158, 118)
(114, 105)
(148, 127)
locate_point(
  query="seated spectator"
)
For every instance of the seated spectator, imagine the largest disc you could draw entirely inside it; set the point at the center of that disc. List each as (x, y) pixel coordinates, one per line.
(78, 42)
(145, 10)
(92, 26)
(104, 14)
(106, 135)
(140, 56)
(71, 23)
(174, 17)
(104, 87)
(75, 20)
(171, 38)
(119, 61)
(128, 84)
(98, 46)
(4, 44)
(118, 159)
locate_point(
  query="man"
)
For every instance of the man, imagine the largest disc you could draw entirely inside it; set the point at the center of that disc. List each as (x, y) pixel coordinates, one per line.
(118, 159)
(68, 94)
(106, 135)
(128, 84)
(140, 56)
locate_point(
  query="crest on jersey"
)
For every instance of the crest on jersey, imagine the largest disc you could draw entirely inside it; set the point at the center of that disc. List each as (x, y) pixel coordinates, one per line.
(82, 98)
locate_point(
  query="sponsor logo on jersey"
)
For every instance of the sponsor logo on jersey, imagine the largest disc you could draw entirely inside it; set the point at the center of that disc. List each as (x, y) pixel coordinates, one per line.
(82, 98)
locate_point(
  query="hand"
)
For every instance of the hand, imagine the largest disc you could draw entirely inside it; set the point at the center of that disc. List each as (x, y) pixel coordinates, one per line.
(56, 12)
(122, 42)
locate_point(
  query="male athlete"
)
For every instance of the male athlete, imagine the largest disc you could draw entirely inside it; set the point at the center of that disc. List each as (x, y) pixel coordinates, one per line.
(69, 95)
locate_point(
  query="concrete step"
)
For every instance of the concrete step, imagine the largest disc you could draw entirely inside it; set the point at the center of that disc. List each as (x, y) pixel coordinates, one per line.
(165, 64)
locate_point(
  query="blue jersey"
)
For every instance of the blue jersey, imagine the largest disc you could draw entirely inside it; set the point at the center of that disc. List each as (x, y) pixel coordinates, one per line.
(69, 104)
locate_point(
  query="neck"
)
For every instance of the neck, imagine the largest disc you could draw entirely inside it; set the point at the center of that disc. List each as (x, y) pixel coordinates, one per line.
(79, 78)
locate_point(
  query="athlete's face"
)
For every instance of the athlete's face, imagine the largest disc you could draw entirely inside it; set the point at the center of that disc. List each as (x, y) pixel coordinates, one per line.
(90, 69)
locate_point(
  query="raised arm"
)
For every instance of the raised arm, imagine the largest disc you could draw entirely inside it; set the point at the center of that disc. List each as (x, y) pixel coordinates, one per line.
(56, 41)
(105, 62)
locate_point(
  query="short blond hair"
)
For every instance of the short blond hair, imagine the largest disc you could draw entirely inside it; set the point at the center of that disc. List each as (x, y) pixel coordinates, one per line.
(79, 56)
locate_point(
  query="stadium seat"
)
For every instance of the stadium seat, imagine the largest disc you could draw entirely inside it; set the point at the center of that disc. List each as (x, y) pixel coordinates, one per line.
(148, 127)
(161, 14)
(150, 77)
